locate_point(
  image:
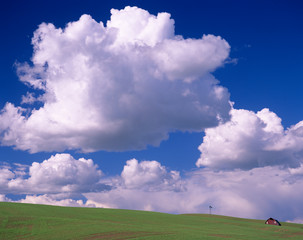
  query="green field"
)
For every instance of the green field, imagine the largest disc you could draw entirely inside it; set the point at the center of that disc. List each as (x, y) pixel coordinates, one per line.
(29, 221)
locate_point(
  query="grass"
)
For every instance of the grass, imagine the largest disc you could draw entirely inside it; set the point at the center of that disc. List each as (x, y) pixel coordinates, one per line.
(29, 221)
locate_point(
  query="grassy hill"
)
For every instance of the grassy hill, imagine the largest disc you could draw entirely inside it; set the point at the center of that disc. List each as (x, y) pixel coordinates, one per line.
(28, 221)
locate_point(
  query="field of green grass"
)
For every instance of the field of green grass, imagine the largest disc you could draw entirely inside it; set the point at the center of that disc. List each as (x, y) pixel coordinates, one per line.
(29, 221)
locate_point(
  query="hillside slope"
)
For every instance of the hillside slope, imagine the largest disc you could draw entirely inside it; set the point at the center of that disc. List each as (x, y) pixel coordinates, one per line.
(28, 221)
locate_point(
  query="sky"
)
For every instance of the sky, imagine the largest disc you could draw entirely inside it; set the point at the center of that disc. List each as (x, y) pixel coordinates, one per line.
(160, 106)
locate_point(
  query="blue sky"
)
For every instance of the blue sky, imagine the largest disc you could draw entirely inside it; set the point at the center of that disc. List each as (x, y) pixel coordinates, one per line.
(263, 70)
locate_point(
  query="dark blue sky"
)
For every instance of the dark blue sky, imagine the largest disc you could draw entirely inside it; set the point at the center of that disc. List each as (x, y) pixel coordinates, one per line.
(265, 71)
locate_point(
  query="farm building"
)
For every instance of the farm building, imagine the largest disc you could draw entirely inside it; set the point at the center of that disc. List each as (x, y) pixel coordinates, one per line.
(272, 221)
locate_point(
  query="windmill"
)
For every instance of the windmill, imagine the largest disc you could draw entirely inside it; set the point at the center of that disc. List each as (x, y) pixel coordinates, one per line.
(210, 207)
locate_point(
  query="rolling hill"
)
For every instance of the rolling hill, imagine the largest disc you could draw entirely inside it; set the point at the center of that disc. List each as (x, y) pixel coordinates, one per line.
(29, 221)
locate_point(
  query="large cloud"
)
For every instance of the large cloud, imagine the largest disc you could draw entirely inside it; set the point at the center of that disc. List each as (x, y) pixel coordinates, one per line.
(116, 87)
(252, 140)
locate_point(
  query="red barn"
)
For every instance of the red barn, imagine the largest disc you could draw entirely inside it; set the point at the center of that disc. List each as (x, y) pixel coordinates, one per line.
(272, 221)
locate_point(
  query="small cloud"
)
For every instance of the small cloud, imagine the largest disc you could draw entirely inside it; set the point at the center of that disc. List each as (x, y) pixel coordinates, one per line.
(296, 220)
(28, 98)
(233, 61)
(150, 176)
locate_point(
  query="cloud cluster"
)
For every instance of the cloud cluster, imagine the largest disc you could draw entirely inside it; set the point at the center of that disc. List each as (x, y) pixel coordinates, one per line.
(122, 86)
(257, 193)
(148, 185)
(251, 140)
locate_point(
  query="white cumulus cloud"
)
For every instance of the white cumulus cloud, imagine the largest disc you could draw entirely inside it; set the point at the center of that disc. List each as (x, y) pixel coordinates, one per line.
(116, 87)
(149, 175)
(60, 173)
(252, 140)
